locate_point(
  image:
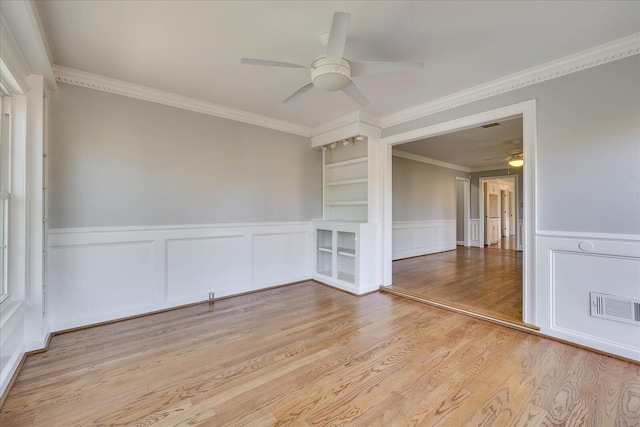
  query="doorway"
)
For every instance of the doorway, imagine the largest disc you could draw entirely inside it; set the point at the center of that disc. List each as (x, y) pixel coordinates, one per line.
(498, 200)
(526, 111)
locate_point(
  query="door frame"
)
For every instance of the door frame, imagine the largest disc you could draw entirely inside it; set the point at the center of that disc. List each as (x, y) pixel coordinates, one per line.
(466, 209)
(527, 110)
(481, 198)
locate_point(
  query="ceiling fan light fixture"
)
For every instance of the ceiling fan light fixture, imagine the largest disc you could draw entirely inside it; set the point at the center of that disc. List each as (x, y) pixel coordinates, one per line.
(516, 160)
(329, 76)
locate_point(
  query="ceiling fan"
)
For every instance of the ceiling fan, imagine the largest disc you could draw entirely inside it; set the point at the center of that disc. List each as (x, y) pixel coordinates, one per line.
(515, 157)
(332, 71)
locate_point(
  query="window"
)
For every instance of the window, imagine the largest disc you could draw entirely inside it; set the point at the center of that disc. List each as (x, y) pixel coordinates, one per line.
(5, 189)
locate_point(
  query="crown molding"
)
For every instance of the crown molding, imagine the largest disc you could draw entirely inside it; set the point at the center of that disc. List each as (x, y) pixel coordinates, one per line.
(119, 87)
(356, 123)
(418, 158)
(357, 117)
(23, 20)
(14, 68)
(599, 55)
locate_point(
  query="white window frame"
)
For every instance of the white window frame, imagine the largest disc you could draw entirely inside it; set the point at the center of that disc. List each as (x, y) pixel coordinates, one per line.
(5, 190)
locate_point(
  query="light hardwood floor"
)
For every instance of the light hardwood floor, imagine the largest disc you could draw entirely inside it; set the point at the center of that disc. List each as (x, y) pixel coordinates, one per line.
(487, 281)
(309, 355)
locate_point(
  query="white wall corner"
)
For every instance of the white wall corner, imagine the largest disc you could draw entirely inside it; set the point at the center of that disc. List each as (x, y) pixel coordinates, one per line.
(119, 87)
(598, 55)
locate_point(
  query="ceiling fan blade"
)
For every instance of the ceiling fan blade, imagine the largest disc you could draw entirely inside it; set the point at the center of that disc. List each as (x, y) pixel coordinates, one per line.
(338, 36)
(361, 68)
(352, 90)
(264, 62)
(297, 94)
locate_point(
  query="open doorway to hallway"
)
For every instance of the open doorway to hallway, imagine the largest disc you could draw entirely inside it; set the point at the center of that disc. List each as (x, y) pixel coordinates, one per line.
(456, 219)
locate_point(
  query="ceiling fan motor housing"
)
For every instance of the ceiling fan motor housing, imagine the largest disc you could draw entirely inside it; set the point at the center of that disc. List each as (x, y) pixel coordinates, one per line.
(327, 75)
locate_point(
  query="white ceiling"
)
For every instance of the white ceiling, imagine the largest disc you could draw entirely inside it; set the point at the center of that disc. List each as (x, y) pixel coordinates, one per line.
(476, 148)
(193, 48)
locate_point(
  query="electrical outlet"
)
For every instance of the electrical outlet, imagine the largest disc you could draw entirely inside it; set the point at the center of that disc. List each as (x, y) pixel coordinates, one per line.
(211, 296)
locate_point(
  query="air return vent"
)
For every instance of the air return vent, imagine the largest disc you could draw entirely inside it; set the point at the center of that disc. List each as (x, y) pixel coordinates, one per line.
(615, 307)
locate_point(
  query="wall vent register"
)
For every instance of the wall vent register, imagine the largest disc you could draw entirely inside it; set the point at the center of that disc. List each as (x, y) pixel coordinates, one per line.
(615, 307)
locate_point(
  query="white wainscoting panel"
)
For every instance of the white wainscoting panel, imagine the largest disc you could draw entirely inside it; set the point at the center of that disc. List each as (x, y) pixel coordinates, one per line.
(474, 239)
(519, 235)
(102, 274)
(93, 281)
(198, 266)
(568, 269)
(414, 238)
(277, 258)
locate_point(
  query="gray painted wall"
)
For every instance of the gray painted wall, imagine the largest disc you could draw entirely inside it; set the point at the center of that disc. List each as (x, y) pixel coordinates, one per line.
(118, 161)
(423, 192)
(588, 152)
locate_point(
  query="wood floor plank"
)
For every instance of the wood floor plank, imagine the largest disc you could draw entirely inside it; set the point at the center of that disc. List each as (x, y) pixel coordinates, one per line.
(487, 281)
(309, 355)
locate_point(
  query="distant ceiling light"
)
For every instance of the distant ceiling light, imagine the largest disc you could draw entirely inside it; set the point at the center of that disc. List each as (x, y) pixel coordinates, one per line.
(490, 125)
(516, 160)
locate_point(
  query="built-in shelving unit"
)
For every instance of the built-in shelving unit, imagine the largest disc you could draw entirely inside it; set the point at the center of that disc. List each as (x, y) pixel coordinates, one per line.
(346, 182)
(342, 250)
(344, 240)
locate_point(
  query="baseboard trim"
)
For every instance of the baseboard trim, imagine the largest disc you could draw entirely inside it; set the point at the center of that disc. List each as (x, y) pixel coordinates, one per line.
(7, 390)
(164, 310)
(344, 290)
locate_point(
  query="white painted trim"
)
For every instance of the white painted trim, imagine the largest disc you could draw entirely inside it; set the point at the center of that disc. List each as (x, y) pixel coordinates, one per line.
(481, 196)
(254, 257)
(23, 19)
(418, 248)
(589, 235)
(14, 67)
(527, 110)
(418, 158)
(57, 231)
(119, 87)
(598, 55)
(346, 121)
(474, 233)
(353, 124)
(466, 215)
(550, 283)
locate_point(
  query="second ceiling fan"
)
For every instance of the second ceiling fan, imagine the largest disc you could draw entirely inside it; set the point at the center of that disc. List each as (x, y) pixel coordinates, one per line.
(332, 71)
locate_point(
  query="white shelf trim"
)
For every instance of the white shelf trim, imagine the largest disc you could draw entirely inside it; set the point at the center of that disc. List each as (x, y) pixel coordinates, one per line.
(347, 203)
(346, 162)
(347, 252)
(347, 181)
(325, 249)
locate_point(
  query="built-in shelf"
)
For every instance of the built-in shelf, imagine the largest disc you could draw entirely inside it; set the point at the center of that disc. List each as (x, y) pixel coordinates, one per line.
(347, 203)
(347, 182)
(347, 252)
(325, 249)
(346, 162)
